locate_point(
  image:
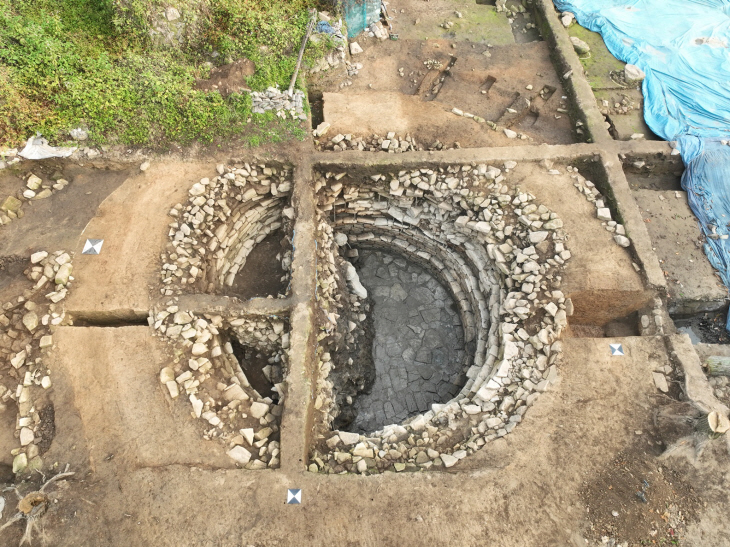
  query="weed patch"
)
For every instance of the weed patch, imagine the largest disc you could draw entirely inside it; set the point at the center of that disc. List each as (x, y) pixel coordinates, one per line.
(95, 64)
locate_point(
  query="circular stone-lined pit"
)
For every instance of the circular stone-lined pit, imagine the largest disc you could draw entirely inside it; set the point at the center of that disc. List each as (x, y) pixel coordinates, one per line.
(418, 347)
(499, 253)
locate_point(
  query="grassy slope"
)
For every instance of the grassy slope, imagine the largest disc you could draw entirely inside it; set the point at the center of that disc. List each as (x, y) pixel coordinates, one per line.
(65, 63)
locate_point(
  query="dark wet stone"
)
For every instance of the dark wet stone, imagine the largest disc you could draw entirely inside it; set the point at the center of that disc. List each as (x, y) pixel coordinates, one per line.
(419, 342)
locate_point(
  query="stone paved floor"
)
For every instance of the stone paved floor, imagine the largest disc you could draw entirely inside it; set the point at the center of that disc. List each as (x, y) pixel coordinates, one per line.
(419, 342)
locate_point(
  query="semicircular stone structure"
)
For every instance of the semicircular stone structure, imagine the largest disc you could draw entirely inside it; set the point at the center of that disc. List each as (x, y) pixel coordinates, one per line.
(210, 238)
(497, 252)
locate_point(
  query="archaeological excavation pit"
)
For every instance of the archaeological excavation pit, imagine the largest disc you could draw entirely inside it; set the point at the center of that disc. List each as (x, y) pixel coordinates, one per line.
(440, 310)
(229, 252)
(234, 235)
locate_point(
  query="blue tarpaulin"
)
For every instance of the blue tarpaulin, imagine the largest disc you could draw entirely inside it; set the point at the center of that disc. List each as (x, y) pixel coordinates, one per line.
(683, 46)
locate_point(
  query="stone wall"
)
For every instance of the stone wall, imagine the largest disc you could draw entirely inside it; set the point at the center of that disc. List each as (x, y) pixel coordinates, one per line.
(222, 222)
(210, 238)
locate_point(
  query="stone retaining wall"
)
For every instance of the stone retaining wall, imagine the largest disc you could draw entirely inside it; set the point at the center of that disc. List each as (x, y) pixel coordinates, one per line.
(223, 221)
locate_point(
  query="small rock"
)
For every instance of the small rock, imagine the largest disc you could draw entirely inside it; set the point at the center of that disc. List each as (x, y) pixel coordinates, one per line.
(247, 434)
(20, 462)
(349, 438)
(63, 274)
(199, 349)
(197, 189)
(30, 320)
(35, 258)
(623, 241)
(26, 436)
(604, 213)
(321, 129)
(660, 381)
(259, 410)
(448, 460)
(580, 47)
(167, 375)
(11, 204)
(33, 182)
(239, 455)
(510, 135)
(234, 392)
(633, 74)
(197, 405)
(538, 237)
(144, 166)
(355, 48)
(79, 134)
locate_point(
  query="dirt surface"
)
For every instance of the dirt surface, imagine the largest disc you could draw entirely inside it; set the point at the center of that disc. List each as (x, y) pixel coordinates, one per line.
(262, 274)
(227, 79)
(532, 481)
(693, 284)
(380, 100)
(58, 221)
(133, 238)
(599, 279)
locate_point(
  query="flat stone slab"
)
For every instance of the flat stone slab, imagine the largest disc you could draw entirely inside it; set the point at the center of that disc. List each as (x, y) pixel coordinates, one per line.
(692, 282)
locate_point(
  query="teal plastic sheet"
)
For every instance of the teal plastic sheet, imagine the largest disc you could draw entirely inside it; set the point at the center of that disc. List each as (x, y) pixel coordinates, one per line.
(360, 14)
(683, 46)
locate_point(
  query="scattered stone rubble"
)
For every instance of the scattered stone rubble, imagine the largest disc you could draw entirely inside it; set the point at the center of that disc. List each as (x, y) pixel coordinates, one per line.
(593, 195)
(205, 371)
(500, 256)
(35, 188)
(224, 219)
(333, 59)
(391, 143)
(280, 101)
(8, 157)
(26, 325)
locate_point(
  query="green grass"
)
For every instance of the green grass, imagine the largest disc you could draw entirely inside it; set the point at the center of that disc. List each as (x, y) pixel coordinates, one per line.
(91, 63)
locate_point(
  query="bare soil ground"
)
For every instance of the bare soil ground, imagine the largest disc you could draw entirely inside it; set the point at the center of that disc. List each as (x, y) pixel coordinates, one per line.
(557, 478)
(380, 100)
(56, 222)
